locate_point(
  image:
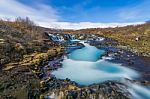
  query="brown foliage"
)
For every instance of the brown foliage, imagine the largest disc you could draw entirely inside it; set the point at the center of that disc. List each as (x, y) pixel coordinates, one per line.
(18, 38)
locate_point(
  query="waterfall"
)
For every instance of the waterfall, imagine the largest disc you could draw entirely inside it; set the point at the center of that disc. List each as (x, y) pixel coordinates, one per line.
(61, 37)
(56, 37)
(70, 37)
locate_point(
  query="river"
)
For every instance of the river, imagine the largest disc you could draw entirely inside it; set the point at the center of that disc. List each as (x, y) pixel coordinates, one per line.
(85, 66)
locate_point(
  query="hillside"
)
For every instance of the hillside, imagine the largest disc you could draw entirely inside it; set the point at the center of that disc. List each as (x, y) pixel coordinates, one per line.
(136, 38)
(19, 38)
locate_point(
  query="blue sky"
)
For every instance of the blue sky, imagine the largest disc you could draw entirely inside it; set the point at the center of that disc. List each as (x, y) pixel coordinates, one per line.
(74, 12)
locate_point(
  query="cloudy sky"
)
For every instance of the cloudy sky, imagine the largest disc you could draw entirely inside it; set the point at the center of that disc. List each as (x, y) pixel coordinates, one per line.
(77, 14)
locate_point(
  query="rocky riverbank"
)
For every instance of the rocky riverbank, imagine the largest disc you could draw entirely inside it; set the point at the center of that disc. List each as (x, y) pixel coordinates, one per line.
(57, 89)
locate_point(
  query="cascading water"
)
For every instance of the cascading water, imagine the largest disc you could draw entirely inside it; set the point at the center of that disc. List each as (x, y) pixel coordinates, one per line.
(59, 38)
(56, 38)
(137, 91)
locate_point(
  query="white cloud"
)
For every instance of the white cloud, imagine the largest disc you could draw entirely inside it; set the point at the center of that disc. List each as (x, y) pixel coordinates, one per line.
(45, 15)
(12, 9)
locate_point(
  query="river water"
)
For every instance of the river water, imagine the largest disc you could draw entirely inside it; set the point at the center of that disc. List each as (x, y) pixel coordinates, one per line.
(85, 67)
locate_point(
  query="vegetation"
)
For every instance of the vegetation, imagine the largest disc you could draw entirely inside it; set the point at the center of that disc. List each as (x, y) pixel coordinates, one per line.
(19, 38)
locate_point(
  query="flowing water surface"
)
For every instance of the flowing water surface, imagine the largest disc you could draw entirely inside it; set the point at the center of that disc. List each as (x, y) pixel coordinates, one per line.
(85, 67)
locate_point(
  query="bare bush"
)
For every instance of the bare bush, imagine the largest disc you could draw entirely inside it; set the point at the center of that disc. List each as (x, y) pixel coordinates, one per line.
(26, 21)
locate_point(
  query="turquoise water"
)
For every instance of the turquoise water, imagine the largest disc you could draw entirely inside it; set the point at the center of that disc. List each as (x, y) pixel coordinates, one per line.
(88, 53)
(85, 67)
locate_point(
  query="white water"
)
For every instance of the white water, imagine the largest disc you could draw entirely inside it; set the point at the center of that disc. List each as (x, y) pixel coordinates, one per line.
(138, 91)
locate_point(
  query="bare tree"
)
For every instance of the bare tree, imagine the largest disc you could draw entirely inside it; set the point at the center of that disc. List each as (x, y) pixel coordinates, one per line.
(25, 21)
